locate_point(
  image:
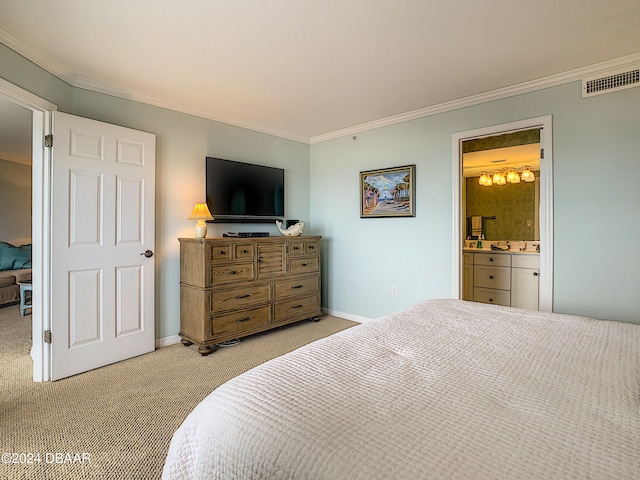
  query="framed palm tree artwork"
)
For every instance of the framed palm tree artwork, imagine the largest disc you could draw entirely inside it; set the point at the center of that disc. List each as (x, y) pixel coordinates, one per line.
(388, 192)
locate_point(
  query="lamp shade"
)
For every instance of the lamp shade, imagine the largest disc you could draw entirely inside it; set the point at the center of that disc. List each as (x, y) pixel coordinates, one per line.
(201, 212)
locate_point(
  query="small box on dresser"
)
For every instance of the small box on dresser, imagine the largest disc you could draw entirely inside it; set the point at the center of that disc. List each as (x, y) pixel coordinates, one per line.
(234, 287)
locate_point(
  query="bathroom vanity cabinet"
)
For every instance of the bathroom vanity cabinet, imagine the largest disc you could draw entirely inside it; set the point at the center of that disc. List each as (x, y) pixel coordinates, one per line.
(501, 278)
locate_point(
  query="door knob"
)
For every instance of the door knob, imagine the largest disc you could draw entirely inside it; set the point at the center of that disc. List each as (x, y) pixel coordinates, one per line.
(147, 253)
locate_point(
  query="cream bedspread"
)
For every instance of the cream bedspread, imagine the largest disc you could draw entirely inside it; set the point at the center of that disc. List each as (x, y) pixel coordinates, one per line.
(446, 389)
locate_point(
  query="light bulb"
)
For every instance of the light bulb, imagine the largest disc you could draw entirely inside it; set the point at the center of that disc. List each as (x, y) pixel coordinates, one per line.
(513, 177)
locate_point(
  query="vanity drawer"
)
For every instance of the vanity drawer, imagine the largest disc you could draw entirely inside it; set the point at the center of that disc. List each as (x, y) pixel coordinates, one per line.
(525, 260)
(497, 259)
(492, 277)
(237, 298)
(240, 321)
(488, 295)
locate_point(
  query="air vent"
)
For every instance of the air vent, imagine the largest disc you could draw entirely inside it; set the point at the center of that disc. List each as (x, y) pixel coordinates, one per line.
(611, 82)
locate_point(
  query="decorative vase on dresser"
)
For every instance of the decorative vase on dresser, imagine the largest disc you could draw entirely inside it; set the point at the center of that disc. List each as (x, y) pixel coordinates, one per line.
(234, 287)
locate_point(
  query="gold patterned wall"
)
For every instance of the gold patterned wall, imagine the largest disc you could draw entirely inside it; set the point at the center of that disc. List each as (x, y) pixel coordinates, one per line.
(513, 205)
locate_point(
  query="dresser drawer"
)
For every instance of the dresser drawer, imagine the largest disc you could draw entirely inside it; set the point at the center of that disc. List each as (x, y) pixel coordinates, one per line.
(303, 265)
(303, 247)
(500, 260)
(240, 321)
(296, 287)
(235, 272)
(487, 295)
(220, 253)
(238, 298)
(296, 247)
(298, 308)
(243, 251)
(492, 277)
(311, 247)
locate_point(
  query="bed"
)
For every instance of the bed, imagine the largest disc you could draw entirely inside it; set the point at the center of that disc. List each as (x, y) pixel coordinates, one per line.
(445, 389)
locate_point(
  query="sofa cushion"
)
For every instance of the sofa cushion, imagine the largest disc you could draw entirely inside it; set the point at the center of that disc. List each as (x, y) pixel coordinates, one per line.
(6, 256)
(14, 258)
(7, 279)
(23, 275)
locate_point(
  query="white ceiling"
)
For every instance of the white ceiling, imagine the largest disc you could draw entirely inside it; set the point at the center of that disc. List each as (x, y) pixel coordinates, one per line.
(302, 69)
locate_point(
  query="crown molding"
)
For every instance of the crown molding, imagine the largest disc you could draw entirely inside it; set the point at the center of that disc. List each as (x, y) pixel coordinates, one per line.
(514, 90)
(100, 87)
(34, 57)
(519, 89)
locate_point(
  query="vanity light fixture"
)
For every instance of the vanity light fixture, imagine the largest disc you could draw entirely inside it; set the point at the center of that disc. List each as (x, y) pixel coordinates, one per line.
(506, 175)
(513, 177)
(485, 180)
(498, 178)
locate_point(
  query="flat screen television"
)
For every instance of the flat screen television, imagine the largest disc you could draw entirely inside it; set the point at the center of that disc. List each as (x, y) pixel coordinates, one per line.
(243, 192)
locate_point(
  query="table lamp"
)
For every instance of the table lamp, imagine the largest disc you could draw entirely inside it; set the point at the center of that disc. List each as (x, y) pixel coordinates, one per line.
(201, 213)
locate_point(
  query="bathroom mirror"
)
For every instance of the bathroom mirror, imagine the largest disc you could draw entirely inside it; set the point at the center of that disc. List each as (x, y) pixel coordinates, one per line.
(509, 211)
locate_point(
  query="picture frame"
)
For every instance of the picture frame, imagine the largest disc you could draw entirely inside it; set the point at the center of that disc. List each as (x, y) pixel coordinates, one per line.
(388, 192)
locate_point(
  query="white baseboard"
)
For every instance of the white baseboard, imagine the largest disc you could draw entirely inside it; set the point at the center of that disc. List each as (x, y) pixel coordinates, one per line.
(347, 316)
(173, 339)
(166, 341)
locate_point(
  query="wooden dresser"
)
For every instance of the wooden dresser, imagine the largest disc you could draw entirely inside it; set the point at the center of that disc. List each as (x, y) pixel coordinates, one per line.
(234, 287)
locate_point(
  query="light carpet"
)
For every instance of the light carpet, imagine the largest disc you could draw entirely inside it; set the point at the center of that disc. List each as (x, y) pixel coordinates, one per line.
(116, 422)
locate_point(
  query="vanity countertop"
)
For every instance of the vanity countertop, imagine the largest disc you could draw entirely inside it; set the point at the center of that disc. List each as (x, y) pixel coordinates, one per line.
(488, 250)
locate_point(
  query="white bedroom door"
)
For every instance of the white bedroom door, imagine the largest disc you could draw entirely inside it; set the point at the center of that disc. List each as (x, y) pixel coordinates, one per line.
(102, 242)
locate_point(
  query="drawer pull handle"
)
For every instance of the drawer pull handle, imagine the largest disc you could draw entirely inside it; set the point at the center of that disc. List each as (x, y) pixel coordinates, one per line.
(304, 264)
(296, 248)
(491, 277)
(243, 296)
(297, 286)
(232, 272)
(245, 251)
(536, 274)
(245, 319)
(311, 247)
(221, 252)
(491, 299)
(297, 306)
(491, 259)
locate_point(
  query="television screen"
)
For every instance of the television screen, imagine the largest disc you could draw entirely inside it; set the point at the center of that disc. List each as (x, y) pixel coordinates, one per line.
(238, 191)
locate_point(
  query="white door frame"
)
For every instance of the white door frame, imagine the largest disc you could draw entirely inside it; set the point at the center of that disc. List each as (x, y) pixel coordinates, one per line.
(546, 200)
(41, 222)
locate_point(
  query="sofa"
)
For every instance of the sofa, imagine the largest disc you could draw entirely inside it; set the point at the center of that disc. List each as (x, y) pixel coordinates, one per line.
(15, 266)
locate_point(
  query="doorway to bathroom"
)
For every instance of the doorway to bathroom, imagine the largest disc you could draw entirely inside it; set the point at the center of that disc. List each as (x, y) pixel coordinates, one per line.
(503, 212)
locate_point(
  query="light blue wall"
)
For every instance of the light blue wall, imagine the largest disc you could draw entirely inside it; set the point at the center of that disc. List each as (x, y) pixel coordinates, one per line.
(15, 203)
(597, 201)
(182, 142)
(596, 206)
